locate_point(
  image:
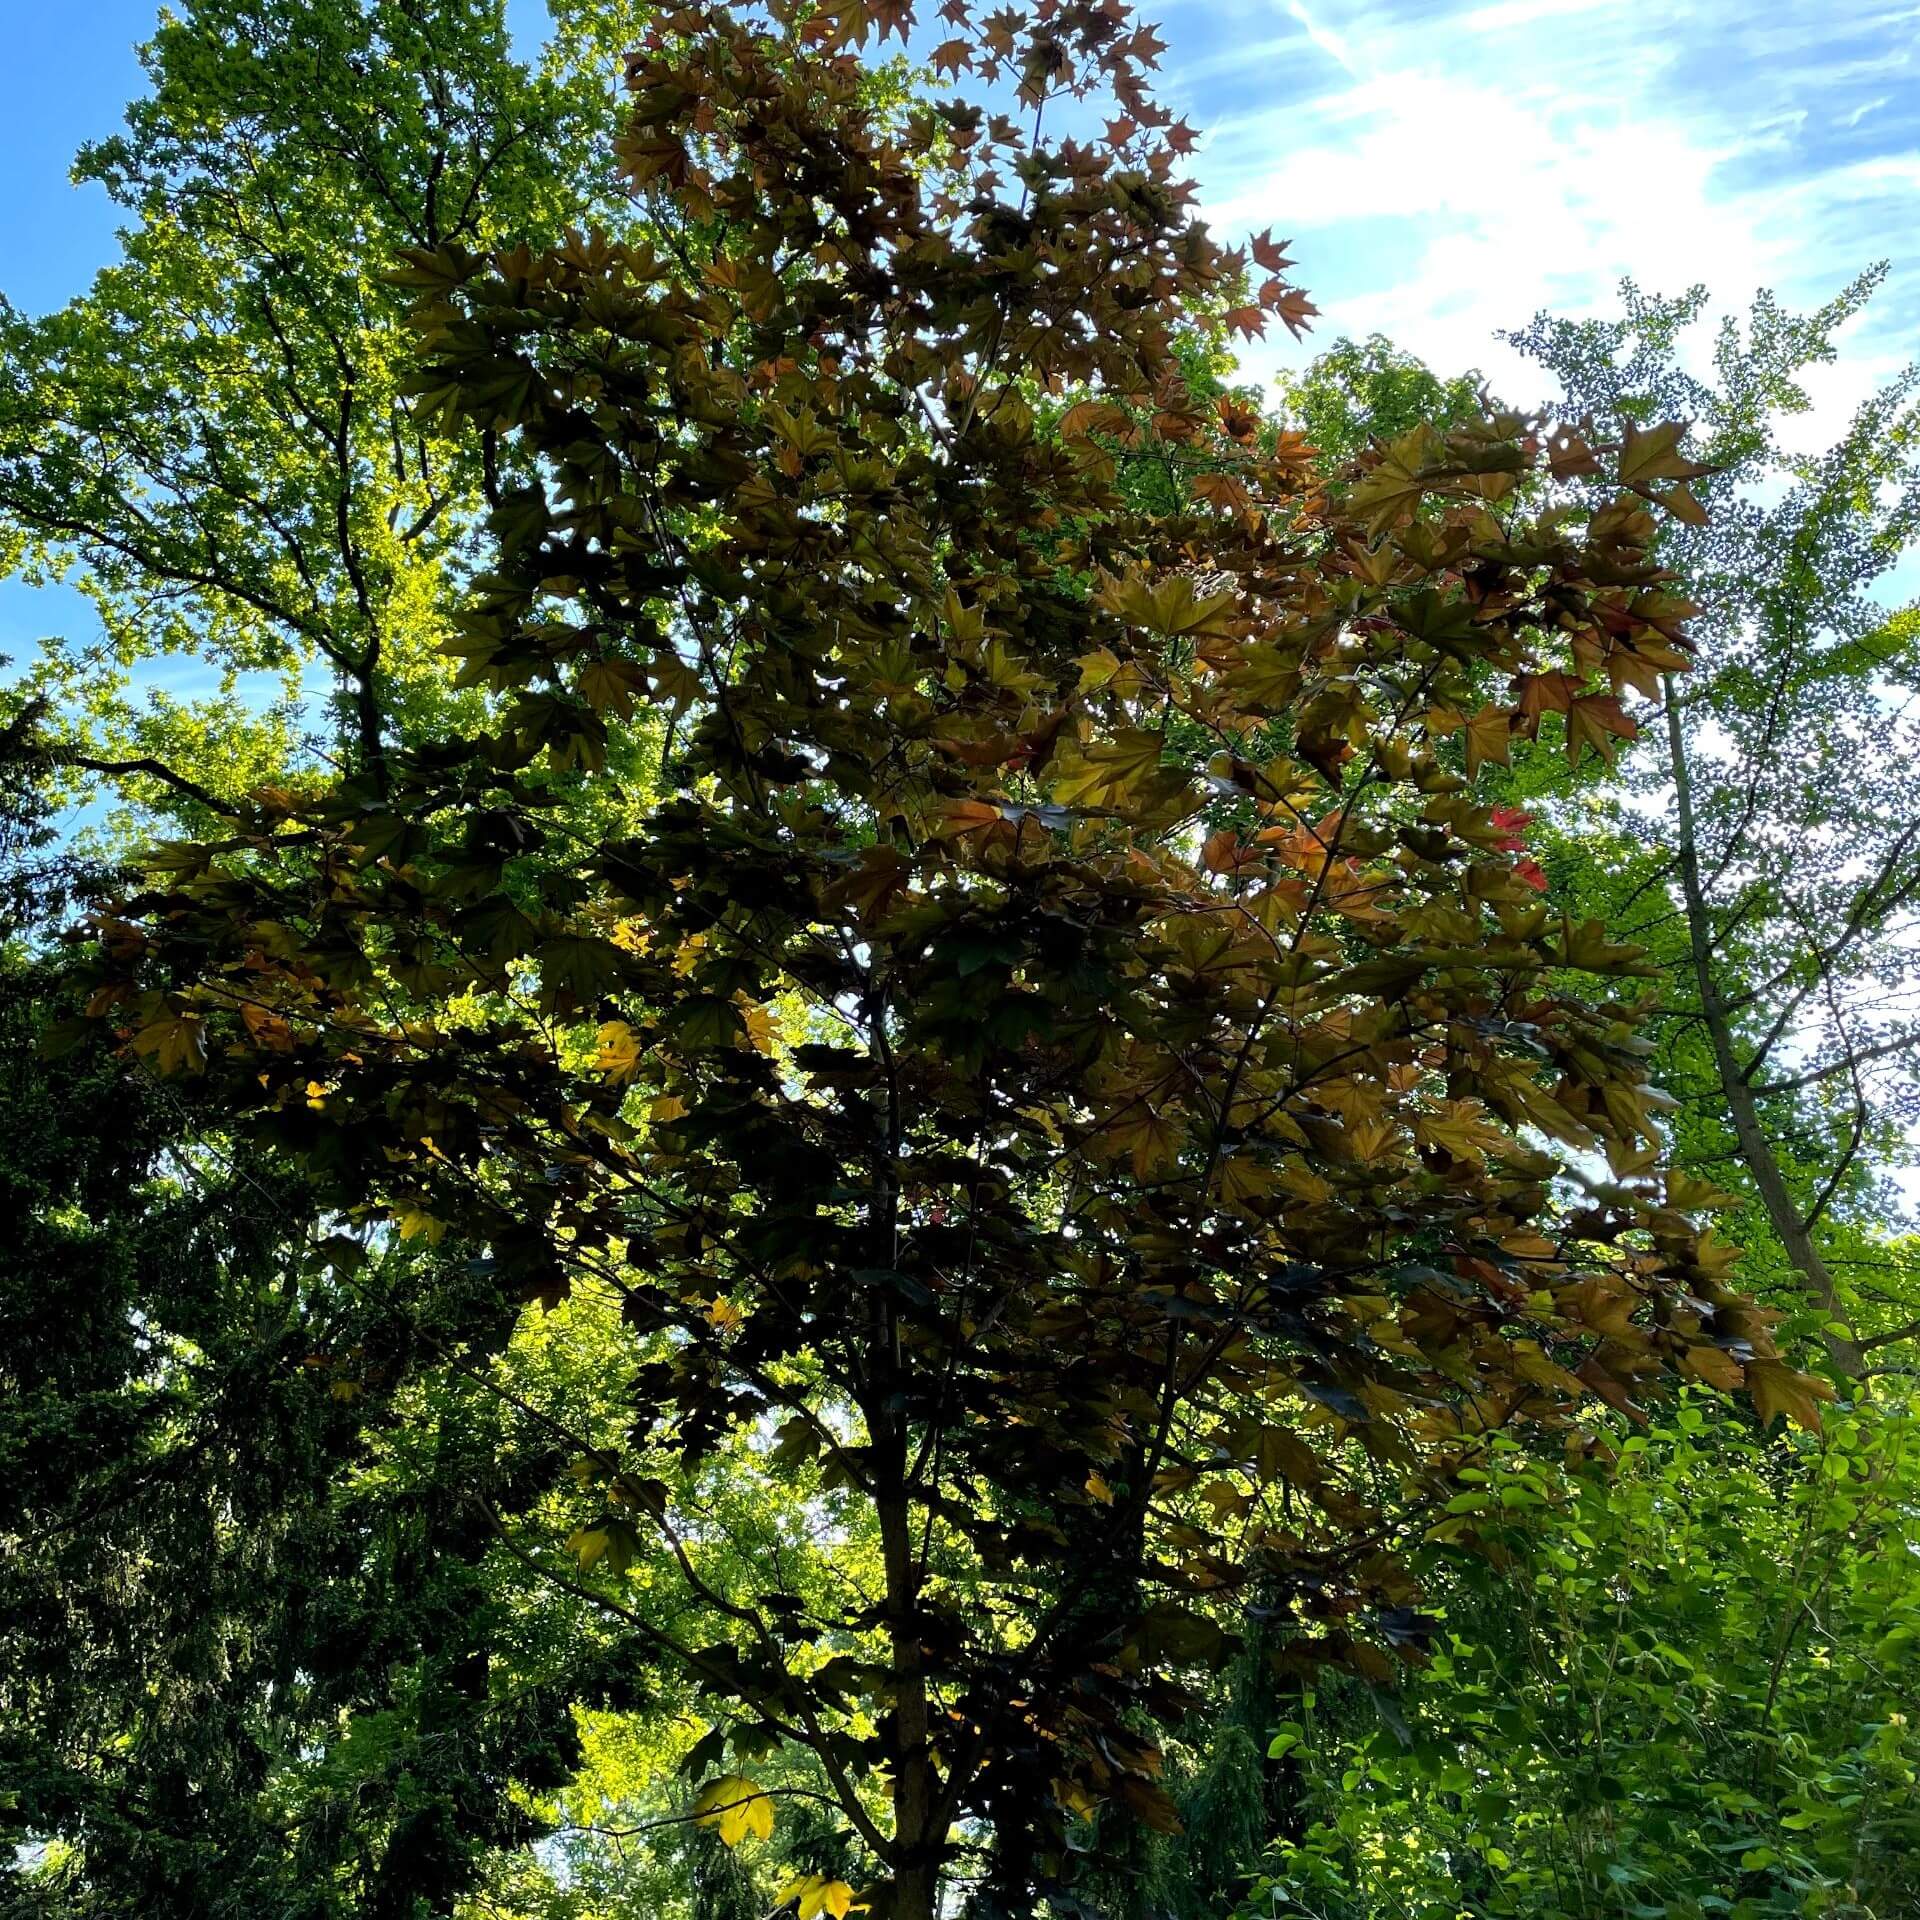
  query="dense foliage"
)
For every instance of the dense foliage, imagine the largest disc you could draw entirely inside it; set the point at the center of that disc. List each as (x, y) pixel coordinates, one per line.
(896, 1176)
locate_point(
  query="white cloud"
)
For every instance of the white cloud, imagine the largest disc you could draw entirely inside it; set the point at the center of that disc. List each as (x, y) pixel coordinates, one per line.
(1447, 175)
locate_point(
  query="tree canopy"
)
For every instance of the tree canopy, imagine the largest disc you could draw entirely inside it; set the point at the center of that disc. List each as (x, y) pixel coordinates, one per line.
(899, 1100)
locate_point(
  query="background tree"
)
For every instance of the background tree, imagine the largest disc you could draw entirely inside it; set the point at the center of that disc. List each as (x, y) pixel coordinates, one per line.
(210, 443)
(1359, 392)
(244, 1673)
(1780, 889)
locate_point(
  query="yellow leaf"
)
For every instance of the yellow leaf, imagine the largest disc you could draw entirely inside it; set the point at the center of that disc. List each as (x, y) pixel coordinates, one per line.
(619, 1055)
(1075, 1798)
(1462, 1128)
(416, 1225)
(758, 1022)
(1168, 605)
(1105, 772)
(1395, 485)
(1778, 1389)
(612, 685)
(266, 1028)
(1099, 1489)
(734, 1807)
(1151, 1140)
(816, 1894)
(1371, 1140)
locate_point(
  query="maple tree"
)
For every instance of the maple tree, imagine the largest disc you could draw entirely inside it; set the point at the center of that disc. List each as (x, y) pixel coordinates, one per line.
(1062, 1061)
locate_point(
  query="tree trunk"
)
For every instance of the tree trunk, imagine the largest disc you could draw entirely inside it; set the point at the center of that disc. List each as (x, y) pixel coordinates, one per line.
(1743, 1110)
(916, 1864)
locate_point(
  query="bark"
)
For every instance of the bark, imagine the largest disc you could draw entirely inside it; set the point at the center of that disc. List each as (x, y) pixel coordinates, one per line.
(915, 1789)
(1743, 1110)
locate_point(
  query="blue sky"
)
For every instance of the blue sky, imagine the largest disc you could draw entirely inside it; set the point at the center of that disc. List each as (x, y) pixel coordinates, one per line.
(1445, 167)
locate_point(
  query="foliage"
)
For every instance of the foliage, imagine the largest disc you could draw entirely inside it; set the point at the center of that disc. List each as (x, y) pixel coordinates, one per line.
(1777, 886)
(1359, 392)
(1615, 1745)
(218, 1549)
(1058, 1075)
(1695, 1701)
(974, 922)
(210, 443)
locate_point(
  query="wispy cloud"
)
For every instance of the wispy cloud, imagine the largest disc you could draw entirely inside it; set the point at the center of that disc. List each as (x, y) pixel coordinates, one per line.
(1447, 169)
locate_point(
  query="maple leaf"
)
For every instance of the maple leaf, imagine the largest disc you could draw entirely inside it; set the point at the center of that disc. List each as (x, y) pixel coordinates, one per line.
(619, 1052)
(1512, 823)
(1780, 1391)
(1489, 737)
(1149, 1140)
(1224, 490)
(879, 877)
(812, 1894)
(1170, 605)
(612, 685)
(1271, 253)
(1145, 46)
(1653, 453)
(757, 1026)
(1296, 310)
(266, 1028)
(1539, 693)
(1463, 1128)
(1124, 767)
(414, 1224)
(1398, 481)
(175, 1043)
(1682, 504)
(1597, 720)
(734, 1807)
(1569, 457)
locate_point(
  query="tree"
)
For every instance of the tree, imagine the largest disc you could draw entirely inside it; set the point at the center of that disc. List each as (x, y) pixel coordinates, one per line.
(1567, 1750)
(1781, 891)
(214, 1549)
(1056, 1074)
(210, 441)
(1360, 392)
(251, 1622)
(1688, 1691)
